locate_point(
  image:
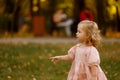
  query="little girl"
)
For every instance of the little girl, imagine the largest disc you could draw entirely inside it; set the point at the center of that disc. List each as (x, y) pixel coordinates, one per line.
(84, 55)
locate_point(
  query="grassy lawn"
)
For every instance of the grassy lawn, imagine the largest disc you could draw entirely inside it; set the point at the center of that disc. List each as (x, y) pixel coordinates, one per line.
(31, 61)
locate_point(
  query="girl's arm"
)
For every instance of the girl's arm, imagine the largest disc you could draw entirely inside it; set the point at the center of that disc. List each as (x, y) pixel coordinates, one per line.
(60, 58)
(94, 72)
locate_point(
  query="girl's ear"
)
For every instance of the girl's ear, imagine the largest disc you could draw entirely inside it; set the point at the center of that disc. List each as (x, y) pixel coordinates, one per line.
(87, 35)
(88, 38)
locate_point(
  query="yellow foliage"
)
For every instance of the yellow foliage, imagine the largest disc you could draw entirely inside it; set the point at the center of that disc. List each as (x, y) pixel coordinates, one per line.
(110, 33)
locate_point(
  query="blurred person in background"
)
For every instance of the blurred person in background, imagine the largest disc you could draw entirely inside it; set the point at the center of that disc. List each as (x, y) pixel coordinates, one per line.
(60, 20)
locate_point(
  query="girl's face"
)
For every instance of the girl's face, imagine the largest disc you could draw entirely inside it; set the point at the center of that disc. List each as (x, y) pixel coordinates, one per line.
(81, 35)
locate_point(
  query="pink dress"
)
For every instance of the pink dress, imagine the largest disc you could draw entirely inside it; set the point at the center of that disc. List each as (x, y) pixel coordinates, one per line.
(82, 58)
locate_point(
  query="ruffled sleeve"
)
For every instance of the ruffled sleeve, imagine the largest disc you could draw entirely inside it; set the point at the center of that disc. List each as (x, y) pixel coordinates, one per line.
(71, 52)
(93, 57)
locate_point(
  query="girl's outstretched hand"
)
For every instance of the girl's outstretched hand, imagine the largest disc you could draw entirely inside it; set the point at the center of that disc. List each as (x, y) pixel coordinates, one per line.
(55, 59)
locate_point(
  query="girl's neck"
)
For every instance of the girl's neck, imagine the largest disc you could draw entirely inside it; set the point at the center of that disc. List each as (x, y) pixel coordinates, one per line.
(85, 44)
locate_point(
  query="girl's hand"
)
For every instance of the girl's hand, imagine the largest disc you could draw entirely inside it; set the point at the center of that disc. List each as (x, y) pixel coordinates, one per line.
(75, 77)
(55, 59)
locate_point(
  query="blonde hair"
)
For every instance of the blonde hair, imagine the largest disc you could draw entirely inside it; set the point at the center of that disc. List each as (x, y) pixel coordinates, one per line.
(92, 31)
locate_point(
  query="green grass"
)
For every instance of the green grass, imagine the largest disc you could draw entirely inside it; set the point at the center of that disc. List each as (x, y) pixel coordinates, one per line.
(31, 61)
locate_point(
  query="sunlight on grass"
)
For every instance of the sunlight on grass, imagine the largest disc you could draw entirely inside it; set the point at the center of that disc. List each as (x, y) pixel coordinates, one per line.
(31, 61)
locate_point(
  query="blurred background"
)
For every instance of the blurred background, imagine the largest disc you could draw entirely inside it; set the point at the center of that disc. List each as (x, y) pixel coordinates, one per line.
(33, 18)
(32, 31)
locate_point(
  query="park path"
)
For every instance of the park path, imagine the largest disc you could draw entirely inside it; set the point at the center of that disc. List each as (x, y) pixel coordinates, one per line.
(42, 40)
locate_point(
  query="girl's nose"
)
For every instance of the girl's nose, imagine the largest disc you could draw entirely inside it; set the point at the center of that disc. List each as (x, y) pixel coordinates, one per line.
(76, 33)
